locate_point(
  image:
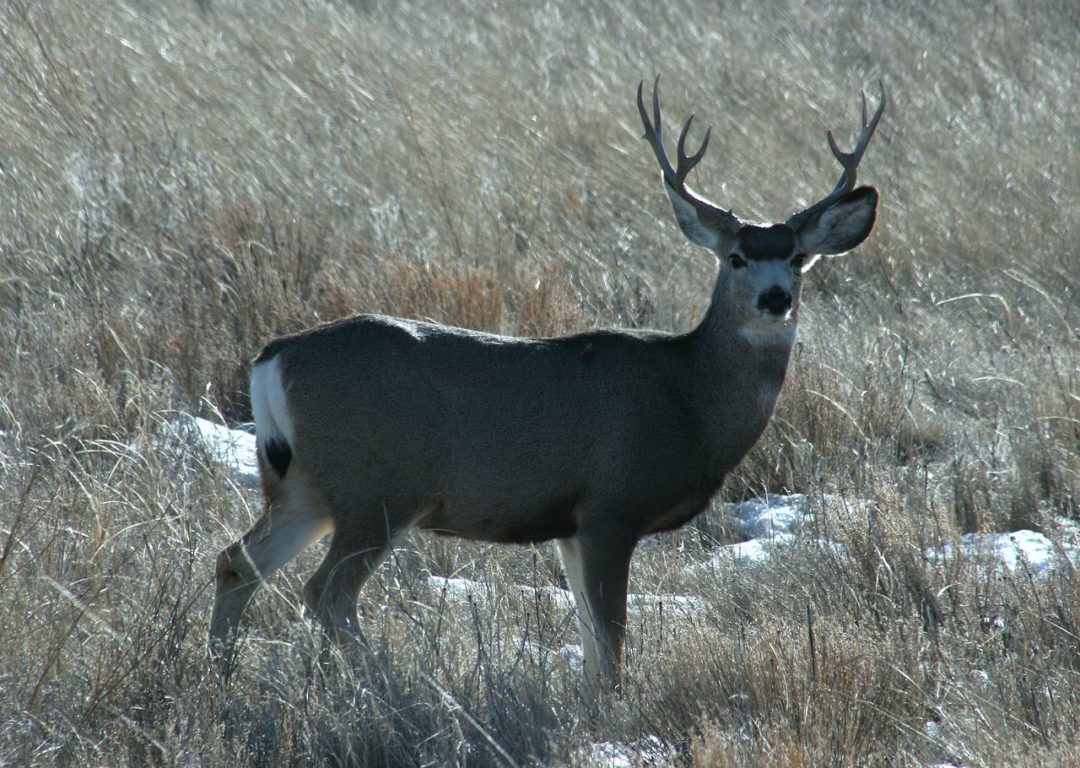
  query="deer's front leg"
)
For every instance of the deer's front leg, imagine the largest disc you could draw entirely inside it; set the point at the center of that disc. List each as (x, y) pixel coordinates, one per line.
(597, 569)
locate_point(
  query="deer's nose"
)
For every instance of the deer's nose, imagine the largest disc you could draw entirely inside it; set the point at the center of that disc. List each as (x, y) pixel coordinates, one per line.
(775, 301)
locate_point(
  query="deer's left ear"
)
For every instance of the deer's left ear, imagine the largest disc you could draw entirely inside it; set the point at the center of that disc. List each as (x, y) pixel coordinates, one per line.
(841, 226)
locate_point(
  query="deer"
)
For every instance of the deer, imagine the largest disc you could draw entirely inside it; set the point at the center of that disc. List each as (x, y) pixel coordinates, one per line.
(372, 426)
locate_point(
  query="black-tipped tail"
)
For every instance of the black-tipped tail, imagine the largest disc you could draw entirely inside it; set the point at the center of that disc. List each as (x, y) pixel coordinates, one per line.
(278, 455)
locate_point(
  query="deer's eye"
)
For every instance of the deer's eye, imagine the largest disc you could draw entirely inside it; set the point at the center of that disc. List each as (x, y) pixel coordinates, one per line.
(737, 261)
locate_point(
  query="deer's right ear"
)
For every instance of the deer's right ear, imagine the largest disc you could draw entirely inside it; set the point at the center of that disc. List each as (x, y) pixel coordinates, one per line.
(691, 220)
(841, 225)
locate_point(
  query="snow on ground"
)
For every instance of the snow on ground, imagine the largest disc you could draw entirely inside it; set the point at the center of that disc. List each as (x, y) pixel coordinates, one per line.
(465, 591)
(770, 517)
(234, 449)
(1017, 551)
(648, 750)
(458, 591)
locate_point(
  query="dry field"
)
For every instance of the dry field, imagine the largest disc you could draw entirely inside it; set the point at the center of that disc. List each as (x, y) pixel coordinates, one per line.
(179, 182)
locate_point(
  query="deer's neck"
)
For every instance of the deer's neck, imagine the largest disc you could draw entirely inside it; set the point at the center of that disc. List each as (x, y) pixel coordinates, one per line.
(741, 369)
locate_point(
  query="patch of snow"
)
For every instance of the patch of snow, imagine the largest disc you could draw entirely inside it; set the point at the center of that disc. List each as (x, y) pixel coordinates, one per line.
(234, 449)
(648, 750)
(769, 517)
(464, 591)
(1017, 550)
(572, 654)
(756, 550)
(677, 606)
(1024, 547)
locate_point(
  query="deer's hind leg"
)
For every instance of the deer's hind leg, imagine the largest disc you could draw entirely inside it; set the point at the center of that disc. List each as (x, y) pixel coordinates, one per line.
(364, 533)
(294, 518)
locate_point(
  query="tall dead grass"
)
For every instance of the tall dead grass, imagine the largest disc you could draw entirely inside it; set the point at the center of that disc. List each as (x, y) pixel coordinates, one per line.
(183, 182)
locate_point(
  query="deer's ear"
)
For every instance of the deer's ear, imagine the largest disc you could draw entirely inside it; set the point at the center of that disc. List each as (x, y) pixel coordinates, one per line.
(692, 222)
(841, 226)
(702, 222)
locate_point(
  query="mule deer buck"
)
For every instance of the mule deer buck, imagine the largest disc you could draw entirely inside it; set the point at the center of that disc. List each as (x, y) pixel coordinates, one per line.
(371, 426)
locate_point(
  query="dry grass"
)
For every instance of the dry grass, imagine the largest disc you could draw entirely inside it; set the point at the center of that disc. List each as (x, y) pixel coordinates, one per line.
(182, 183)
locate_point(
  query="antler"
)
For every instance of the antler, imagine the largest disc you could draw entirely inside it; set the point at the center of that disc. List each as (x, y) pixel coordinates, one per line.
(676, 178)
(849, 161)
(723, 223)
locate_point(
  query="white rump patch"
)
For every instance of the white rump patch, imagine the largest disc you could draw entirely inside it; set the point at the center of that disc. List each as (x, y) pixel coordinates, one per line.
(269, 404)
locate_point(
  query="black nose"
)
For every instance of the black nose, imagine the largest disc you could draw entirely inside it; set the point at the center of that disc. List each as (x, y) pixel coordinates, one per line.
(775, 301)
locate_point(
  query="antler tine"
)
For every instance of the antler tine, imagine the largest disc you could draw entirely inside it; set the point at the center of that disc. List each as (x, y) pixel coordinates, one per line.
(687, 163)
(652, 130)
(675, 176)
(656, 105)
(848, 160)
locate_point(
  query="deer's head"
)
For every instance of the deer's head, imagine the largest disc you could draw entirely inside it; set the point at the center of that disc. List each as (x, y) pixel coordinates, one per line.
(765, 262)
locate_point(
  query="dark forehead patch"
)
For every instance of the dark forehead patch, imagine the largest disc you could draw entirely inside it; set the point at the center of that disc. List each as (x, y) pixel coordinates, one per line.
(761, 243)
